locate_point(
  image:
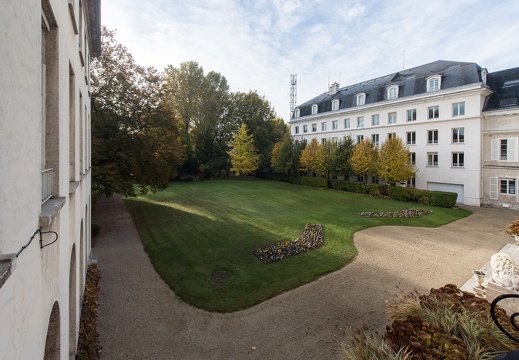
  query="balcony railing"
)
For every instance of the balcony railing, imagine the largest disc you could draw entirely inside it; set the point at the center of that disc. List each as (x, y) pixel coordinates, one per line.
(46, 184)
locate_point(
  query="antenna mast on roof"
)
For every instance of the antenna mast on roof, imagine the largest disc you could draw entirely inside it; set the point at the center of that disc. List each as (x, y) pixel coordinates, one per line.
(403, 59)
(293, 94)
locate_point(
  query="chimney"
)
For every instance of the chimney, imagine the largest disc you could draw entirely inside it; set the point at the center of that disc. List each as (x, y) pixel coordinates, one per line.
(334, 88)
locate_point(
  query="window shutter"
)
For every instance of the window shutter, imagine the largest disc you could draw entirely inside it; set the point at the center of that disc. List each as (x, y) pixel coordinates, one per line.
(493, 188)
(494, 149)
(512, 149)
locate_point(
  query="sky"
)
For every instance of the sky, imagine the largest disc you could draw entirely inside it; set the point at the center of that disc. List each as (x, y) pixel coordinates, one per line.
(258, 44)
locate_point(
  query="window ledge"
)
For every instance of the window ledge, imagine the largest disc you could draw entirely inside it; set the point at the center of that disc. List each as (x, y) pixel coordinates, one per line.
(49, 210)
(7, 265)
(73, 185)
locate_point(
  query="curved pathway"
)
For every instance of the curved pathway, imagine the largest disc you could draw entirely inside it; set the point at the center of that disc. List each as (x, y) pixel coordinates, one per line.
(141, 318)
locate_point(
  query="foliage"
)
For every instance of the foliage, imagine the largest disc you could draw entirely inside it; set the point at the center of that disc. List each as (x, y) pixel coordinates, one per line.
(311, 238)
(195, 228)
(341, 162)
(309, 156)
(513, 228)
(311, 181)
(366, 345)
(406, 213)
(364, 160)
(393, 161)
(258, 114)
(88, 347)
(244, 159)
(135, 136)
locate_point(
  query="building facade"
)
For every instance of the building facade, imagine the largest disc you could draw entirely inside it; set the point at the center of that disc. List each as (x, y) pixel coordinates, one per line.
(436, 108)
(45, 199)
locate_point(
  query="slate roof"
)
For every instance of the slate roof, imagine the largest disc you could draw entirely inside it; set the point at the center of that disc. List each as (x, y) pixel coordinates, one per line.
(410, 81)
(505, 87)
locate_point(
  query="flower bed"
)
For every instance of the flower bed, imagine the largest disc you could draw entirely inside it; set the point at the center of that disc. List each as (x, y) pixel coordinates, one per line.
(311, 238)
(406, 213)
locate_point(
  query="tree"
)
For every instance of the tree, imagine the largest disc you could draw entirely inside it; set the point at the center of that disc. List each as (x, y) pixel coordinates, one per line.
(282, 160)
(364, 160)
(341, 164)
(308, 159)
(394, 164)
(244, 158)
(135, 137)
(259, 116)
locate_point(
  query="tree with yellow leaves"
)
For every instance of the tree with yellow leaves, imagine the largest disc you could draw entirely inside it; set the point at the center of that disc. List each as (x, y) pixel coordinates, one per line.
(244, 157)
(309, 156)
(394, 164)
(364, 160)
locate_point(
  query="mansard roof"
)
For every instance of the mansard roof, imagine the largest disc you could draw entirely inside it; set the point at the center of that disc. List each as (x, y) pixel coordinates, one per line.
(410, 82)
(505, 87)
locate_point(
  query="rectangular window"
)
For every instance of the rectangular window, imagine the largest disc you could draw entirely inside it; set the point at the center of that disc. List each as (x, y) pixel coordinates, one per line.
(314, 127)
(375, 138)
(411, 137)
(335, 140)
(458, 159)
(335, 124)
(305, 128)
(504, 149)
(360, 121)
(296, 129)
(432, 136)
(433, 84)
(375, 119)
(346, 123)
(314, 109)
(391, 135)
(360, 138)
(335, 105)
(458, 135)
(391, 118)
(412, 158)
(508, 186)
(323, 141)
(323, 126)
(411, 115)
(433, 112)
(458, 109)
(411, 182)
(432, 159)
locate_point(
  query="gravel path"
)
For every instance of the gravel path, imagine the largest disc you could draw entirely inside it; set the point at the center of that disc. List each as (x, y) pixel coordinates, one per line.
(141, 318)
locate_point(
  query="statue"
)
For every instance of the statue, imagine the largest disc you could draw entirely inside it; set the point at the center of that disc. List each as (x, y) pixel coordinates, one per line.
(505, 271)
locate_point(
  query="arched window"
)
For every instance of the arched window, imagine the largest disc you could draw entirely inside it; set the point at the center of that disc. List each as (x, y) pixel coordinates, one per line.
(434, 83)
(335, 104)
(392, 92)
(314, 109)
(297, 113)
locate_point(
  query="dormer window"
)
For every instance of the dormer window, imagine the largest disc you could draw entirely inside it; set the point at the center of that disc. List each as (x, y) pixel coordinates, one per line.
(434, 83)
(392, 92)
(335, 104)
(484, 76)
(360, 99)
(314, 109)
(297, 113)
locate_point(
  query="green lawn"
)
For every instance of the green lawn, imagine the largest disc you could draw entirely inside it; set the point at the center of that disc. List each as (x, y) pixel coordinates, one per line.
(192, 230)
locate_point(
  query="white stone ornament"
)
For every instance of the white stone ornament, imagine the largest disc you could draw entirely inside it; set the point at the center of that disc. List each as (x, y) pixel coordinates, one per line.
(505, 271)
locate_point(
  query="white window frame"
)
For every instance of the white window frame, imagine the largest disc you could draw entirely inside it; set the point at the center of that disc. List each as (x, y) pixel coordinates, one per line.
(324, 126)
(392, 92)
(360, 138)
(297, 113)
(430, 159)
(391, 135)
(305, 129)
(392, 118)
(323, 141)
(314, 109)
(335, 124)
(347, 123)
(511, 150)
(360, 99)
(435, 139)
(458, 109)
(508, 187)
(434, 83)
(360, 121)
(296, 129)
(435, 110)
(412, 158)
(335, 104)
(412, 140)
(411, 115)
(494, 188)
(375, 120)
(456, 162)
(314, 127)
(375, 138)
(458, 135)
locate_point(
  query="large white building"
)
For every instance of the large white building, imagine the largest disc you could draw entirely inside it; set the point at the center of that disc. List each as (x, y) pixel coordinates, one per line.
(45, 203)
(444, 112)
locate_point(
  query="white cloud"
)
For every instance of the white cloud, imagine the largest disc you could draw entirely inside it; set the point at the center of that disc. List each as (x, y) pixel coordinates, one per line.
(257, 45)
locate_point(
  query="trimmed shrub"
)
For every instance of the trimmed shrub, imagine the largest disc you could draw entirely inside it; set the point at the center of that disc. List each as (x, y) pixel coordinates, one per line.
(426, 197)
(311, 181)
